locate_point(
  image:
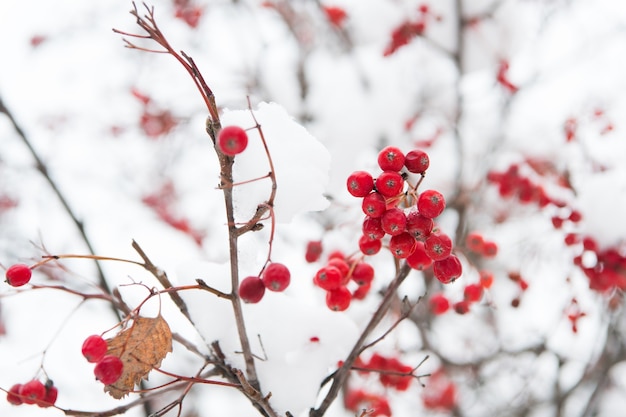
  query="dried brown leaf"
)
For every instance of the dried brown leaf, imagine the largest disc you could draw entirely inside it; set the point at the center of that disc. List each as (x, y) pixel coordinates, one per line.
(141, 347)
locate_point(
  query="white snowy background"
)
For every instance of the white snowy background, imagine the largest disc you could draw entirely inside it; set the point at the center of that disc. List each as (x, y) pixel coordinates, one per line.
(72, 95)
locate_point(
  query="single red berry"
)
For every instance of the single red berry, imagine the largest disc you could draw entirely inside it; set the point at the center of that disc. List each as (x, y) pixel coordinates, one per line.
(439, 304)
(438, 246)
(372, 228)
(419, 259)
(32, 392)
(251, 289)
(368, 246)
(313, 251)
(276, 277)
(447, 270)
(338, 299)
(361, 292)
(393, 221)
(13, 395)
(571, 239)
(360, 183)
(391, 159)
(416, 161)
(389, 184)
(557, 222)
(402, 245)
(590, 244)
(232, 140)
(461, 307)
(418, 225)
(490, 249)
(18, 275)
(486, 279)
(109, 369)
(328, 278)
(431, 203)
(94, 348)
(575, 216)
(374, 205)
(51, 396)
(475, 242)
(363, 273)
(473, 293)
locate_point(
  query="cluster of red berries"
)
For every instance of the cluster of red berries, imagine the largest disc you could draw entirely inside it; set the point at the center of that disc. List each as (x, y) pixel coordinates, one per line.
(108, 368)
(605, 268)
(409, 29)
(232, 140)
(513, 184)
(472, 294)
(337, 274)
(412, 233)
(155, 122)
(275, 277)
(476, 243)
(358, 400)
(33, 392)
(18, 275)
(392, 373)
(440, 392)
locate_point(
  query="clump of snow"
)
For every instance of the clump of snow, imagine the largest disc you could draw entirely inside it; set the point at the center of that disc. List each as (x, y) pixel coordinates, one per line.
(301, 164)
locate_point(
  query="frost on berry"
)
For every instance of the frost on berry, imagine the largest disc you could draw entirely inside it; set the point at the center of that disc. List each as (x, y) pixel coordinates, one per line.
(419, 259)
(276, 277)
(94, 348)
(251, 289)
(438, 246)
(360, 183)
(18, 275)
(393, 221)
(232, 140)
(418, 225)
(372, 228)
(447, 270)
(431, 203)
(391, 158)
(109, 369)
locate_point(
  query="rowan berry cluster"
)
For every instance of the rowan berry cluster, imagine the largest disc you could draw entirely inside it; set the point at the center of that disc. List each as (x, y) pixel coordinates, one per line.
(405, 216)
(33, 392)
(338, 273)
(275, 277)
(108, 368)
(476, 243)
(513, 184)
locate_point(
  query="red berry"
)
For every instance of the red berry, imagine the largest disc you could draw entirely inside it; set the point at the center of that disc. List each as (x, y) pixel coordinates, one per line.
(391, 159)
(389, 183)
(276, 277)
(490, 249)
(438, 246)
(94, 348)
(486, 279)
(372, 228)
(18, 275)
(51, 396)
(402, 245)
(13, 395)
(461, 307)
(475, 242)
(447, 270)
(109, 369)
(590, 244)
(431, 203)
(473, 293)
(393, 221)
(418, 225)
(232, 140)
(419, 259)
(341, 265)
(251, 289)
(361, 291)
(368, 246)
(313, 251)
(32, 392)
(416, 161)
(363, 273)
(575, 216)
(374, 205)
(360, 183)
(328, 278)
(439, 304)
(338, 299)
